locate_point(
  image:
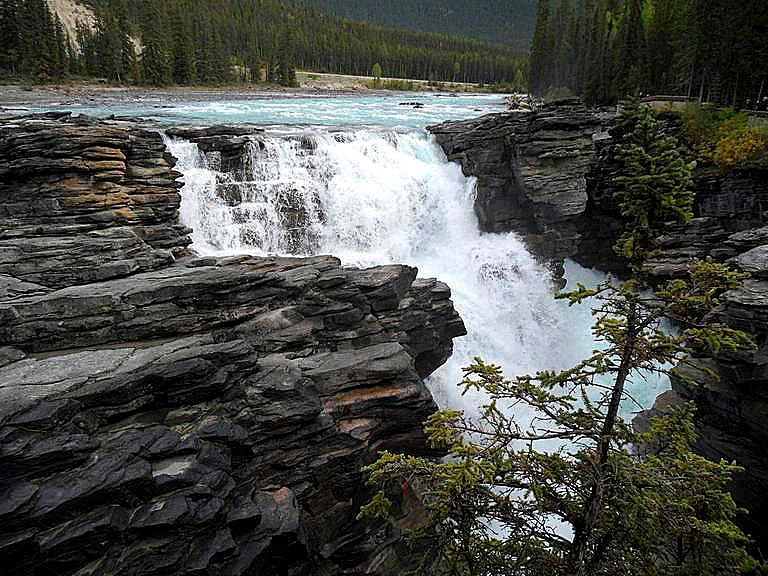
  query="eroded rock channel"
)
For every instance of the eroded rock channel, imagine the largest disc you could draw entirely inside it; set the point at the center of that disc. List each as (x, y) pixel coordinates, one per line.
(162, 413)
(550, 175)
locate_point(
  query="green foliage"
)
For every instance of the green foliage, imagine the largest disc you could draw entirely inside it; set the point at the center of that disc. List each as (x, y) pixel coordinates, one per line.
(701, 123)
(496, 21)
(605, 50)
(285, 73)
(724, 137)
(195, 41)
(630, 503)
(33, 45)
(654, 185)
(402, 85)
(156, 59)
(214, 42)
(379, 505)
(548, 479)
(739, 144)
(376, 72)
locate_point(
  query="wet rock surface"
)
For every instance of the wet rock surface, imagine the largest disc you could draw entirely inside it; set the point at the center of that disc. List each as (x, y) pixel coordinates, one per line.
(550, 176)
(162, 413)
(532, 171)
(227, 148)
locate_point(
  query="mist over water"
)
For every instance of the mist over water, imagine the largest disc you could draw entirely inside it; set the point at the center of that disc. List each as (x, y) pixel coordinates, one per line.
(375, 197)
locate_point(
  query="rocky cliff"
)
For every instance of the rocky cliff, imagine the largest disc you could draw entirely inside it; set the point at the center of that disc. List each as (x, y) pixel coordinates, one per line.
(164, 414)
(531, 171)
(549, 175)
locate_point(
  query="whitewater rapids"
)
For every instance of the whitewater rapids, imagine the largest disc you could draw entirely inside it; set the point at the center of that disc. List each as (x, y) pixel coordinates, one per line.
(374, 197)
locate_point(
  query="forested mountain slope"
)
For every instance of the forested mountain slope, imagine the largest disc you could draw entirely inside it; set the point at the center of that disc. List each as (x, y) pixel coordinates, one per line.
(502, 21)
(713, 50)
(218, 41)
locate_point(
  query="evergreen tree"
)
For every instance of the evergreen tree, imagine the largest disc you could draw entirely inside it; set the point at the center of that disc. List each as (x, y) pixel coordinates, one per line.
(87, 62)
(156, 57)
(187, 41)
(570, 489)
(703, 48)
(631, 50)
(541, 50)
(10, 32)
(286, 70)
(110, 44)
(38, 46)
(61, 55)
(376, 72)
(655, 186)
(183, 49)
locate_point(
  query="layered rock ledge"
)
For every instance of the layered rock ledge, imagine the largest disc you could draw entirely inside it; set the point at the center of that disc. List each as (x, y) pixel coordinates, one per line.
(162, 413)
(550, 176)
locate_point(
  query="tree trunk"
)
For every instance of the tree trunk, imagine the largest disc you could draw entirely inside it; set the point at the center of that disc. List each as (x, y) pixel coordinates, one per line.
(583, 536)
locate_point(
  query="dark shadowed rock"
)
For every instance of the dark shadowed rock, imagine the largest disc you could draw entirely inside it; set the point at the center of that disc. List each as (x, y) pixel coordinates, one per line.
(551, 176)
(226, 147)
(532, 171)
(166, 414)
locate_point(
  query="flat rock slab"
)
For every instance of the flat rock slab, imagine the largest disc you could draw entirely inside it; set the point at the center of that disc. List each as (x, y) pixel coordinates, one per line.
(167, 414)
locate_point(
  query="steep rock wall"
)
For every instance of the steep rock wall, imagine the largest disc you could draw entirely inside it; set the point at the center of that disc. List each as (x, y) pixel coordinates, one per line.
(550, 176)
(165, 414)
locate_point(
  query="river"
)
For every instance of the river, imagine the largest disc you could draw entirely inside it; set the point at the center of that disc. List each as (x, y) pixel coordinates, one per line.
(360, 178)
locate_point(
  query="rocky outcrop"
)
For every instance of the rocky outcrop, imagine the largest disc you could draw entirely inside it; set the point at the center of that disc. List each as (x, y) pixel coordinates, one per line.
(550, 176)
(81, 204)
(227, 148)
(727, 209)
(162, 413)
(531, 170)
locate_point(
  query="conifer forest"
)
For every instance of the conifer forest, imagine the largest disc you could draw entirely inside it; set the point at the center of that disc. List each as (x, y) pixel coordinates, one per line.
(712, 50)
(212, 42)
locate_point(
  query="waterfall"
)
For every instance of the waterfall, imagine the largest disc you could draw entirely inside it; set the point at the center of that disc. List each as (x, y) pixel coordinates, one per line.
(379, 197)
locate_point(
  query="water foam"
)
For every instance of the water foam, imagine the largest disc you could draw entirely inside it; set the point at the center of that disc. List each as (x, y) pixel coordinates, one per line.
(378, 197)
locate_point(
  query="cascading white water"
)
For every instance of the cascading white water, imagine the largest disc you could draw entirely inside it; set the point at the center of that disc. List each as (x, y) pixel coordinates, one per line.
(379, 197)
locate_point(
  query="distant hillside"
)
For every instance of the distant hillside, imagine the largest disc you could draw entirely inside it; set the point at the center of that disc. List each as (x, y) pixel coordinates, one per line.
(72, 15)
(501, 21)
(165, 42)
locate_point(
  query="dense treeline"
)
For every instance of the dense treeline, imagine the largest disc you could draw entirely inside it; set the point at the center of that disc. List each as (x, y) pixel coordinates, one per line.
(220, 41)
(713, 50)
(32, 40)
(499, 21)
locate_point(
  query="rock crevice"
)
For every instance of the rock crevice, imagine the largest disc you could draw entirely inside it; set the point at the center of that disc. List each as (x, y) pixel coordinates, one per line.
(162, 413)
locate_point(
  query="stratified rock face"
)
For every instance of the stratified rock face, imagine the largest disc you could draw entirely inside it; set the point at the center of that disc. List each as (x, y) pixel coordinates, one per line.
(550, 176)
(531, 171)
(190, 415)
(82, 203)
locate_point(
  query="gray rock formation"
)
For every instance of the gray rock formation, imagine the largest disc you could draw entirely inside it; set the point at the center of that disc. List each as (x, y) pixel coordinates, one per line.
(226, 147)
(531, 171)
(80, 205)
(550, 176)
(167, 414)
